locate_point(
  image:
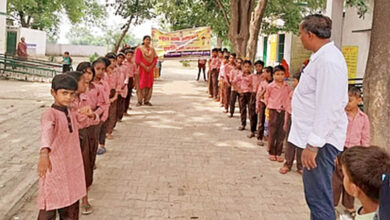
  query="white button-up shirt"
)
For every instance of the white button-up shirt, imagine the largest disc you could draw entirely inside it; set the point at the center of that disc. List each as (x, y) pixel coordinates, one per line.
(318, 104)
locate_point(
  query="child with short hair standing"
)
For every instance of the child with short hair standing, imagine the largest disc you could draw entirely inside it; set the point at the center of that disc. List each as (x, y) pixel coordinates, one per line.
(214, 66)
(228, 84)
(234, 91)
(291, 150)
(358, 134)
(363, 168)
(66, 62)
(60, 167)
(221, 86)
(276, 100)
(243, 82)
(256, 79)
(260, 103)
(123, 85)
(130, 67)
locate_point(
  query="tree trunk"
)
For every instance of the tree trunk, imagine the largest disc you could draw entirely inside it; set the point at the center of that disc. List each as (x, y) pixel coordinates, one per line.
(377, 78)
(219, 42)
(124, 32)
(254, 29)
(240, 11)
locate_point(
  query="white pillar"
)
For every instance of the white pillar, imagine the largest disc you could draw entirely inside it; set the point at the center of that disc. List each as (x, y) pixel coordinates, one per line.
(334, 9)
(3, 28)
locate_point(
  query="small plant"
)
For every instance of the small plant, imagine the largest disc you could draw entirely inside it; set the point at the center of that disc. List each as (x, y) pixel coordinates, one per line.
(93, 57)
(185, 63)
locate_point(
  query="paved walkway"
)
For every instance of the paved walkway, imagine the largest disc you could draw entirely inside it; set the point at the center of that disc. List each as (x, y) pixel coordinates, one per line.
(184, 159)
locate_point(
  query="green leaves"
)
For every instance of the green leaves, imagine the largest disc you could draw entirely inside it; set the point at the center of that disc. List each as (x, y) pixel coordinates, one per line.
(46, 14)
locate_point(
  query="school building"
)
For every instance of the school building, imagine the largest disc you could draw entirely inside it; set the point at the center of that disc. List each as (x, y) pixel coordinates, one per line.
(3, 19)
(350, 33)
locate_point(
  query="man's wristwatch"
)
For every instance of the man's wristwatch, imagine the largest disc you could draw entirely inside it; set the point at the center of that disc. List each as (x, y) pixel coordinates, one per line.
(311, 148)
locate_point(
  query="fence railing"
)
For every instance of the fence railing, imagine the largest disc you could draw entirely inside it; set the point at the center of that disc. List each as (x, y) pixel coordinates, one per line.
(15, 67)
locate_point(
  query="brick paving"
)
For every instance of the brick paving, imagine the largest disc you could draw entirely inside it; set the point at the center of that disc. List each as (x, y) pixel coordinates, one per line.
(180, 159)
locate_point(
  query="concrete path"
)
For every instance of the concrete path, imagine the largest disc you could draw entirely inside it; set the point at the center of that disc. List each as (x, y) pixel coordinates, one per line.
(180, 159)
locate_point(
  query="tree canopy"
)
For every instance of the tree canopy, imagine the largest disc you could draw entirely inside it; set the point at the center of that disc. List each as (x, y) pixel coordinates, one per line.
(46, 14)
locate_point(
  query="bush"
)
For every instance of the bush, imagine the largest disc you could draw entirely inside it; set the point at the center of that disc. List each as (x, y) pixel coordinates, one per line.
(93, 57)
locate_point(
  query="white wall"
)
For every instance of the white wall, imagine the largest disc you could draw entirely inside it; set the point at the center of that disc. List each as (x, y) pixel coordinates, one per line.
(356, 32)
(35, 40)
(3, 30)
(74, 50)
(287, 47)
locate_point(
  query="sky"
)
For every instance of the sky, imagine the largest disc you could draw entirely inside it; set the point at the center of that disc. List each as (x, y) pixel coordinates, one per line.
(138, 31)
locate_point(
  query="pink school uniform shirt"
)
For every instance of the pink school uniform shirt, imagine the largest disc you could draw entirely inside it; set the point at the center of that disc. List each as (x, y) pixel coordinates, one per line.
(129, 68)
(65, 183)
(123, 80)
(256, 80)
(233, 74)
(358, 131)
(243, 82)
(92, 95)
(276, 97)
(215, 63)
(80, 101)
(228, 69)
(260, 93)
(112, 80)
(103, 99)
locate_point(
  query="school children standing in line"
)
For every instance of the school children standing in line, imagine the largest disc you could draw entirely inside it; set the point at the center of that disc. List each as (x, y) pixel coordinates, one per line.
(228, 84)
(60, 167)
(243, 82)
(358, 134)
(256, 79)
(260, 103)
(276, 100)
(234, 91)
(291, 151)
(214, 66)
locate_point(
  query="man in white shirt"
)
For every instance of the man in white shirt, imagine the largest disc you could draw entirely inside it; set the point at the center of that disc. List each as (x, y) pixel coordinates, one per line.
(319, 121)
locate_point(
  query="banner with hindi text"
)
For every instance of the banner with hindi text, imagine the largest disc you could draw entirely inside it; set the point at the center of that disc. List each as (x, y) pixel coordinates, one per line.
(183, 44)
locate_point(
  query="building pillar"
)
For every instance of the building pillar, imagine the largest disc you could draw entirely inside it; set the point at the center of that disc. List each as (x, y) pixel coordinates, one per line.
(3, 28)
(334, 9)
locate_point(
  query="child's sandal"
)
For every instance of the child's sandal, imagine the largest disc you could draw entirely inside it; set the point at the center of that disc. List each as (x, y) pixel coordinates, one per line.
(86, 209)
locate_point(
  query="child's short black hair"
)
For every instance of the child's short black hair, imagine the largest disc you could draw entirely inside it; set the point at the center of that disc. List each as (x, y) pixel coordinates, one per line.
(111, 55)
(66, 52)
(355, 91)
(220, 50)
(226, 57)
(247, 62)
(215, 50)
(259, 62)
(269, 69)
(297, 76)
(75, 74)
(365, 167)
(83, 66)
(129, 51)
(121, 54)
(63, 81)
(104, 60)
(279, 68)
(225, 50)
(234, 55)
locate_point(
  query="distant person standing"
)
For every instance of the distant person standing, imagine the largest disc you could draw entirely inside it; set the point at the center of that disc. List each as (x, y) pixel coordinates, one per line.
(66, 62)
(319, 122)
(22, 49)
(146, 58)
(202, 67)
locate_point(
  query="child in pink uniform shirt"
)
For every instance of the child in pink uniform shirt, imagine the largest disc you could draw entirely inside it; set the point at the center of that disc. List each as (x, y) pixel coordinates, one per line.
(112, 114)
(123, 82)
(60, 167)
(291, 151)
(256, 79)
(260, 103)
(214, 66)
(276, 100)
(358, 134)
(99, 68)
(228, 84)
(234, 91)
(244, 85)
(130, 68)
(221, 86)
